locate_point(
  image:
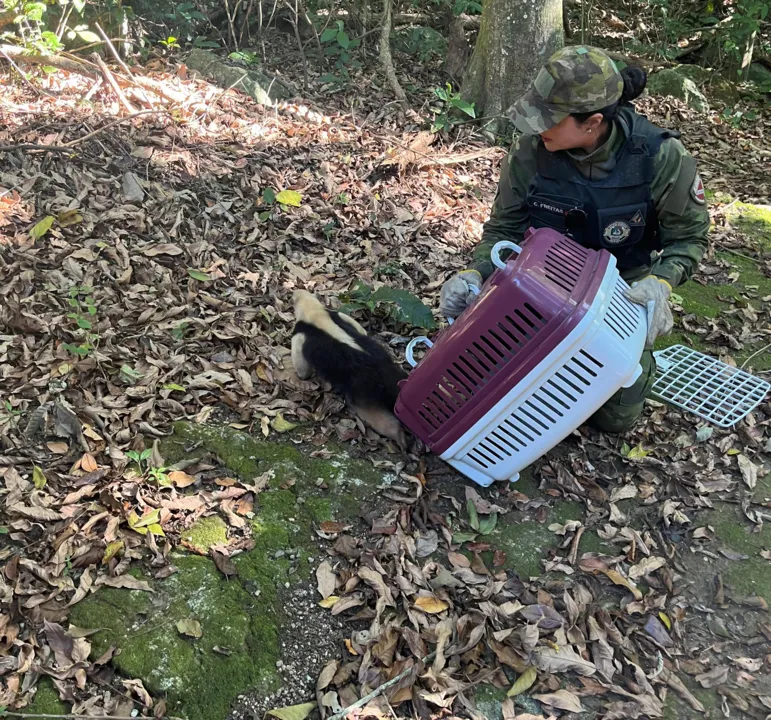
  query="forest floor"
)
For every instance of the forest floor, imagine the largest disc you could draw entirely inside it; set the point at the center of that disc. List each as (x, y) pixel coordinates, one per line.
(266, 550)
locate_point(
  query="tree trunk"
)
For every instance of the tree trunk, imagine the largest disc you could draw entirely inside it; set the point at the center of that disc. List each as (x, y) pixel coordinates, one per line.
(516, 38)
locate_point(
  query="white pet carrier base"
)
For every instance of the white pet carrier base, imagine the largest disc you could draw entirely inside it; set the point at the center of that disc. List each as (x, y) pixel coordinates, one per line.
(600, 355)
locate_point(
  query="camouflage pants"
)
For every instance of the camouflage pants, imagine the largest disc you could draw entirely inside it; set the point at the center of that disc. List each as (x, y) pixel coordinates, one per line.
(621, 412)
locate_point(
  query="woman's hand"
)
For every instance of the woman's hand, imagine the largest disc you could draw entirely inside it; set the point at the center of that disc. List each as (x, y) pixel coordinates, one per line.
(457, 294)
(653, 294)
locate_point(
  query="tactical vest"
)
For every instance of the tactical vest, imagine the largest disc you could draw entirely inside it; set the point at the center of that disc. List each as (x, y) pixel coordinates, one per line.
(617, 212)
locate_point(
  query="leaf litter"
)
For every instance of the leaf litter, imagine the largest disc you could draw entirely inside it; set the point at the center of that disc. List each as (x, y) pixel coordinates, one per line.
(189, 258)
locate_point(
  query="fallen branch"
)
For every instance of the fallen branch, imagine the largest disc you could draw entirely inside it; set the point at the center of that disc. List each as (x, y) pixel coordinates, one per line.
(382, 688)
(385, 53)
(61, 63)
(88, 69)
(114, 52)
(69, 145)
(113, 83)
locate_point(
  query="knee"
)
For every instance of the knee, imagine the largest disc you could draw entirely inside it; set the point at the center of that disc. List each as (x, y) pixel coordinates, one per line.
(617, 419)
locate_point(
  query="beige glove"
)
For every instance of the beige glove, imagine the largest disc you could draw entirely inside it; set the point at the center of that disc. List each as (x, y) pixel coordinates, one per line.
(457, 294)
(653, 294)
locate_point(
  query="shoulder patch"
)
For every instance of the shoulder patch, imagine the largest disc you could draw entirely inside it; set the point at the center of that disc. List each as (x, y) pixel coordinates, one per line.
(697, 190)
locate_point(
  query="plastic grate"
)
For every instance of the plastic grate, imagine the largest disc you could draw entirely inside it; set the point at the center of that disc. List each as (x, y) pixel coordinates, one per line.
(706, 387)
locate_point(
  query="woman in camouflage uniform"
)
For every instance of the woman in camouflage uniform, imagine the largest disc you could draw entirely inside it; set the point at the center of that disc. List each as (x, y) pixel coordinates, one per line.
(587, 165)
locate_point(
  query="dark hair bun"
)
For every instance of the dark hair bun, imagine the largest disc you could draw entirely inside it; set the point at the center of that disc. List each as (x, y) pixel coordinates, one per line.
(635, 80)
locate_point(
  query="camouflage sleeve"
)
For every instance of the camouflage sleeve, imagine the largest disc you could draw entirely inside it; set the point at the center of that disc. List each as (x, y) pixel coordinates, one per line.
(682, 213)
(509, 218)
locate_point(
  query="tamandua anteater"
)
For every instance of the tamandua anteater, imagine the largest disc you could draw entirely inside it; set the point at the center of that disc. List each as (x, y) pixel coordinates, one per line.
(338, 350)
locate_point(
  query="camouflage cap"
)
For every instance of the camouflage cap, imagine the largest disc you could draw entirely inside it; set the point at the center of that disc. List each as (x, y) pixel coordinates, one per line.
(575, 79)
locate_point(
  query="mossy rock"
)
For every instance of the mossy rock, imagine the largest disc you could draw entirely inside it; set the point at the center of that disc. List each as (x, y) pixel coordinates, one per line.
(710, 82)
(761, 76)
(674, 84)
(241, 616)
(263, 88)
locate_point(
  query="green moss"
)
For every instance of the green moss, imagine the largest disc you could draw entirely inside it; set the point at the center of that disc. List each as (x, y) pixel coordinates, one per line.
(243, 614)
(319, 508)
(755, 221)
(710, 301)
(207, 532)
(488, 700)
(198, 682)
(526, 542)
(247, 457)
(733, 532)
(46, 700)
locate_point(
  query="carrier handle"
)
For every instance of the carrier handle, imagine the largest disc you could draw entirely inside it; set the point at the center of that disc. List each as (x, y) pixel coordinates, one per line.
(422, 340)
(495, 255)
(473, 289)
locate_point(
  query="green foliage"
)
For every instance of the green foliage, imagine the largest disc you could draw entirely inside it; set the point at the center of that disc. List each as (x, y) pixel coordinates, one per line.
(337, 46)
(47, 27)
(730, 26)
(245, 56)
(425, 43)
(389, 269)
(83, 313)
(170, 43)
(451, 104)
(139, 457)
(736, 118)
(467, 7)
(160, 476)
(398, 304)
(185, 12)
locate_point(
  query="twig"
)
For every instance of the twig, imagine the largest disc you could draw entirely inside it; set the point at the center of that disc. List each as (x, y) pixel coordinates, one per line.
(762, 350)
(315, 32)
(113, 82)
(22, 75)
(245, 25)
(382, 688)
(299, 39)
(77, 141)
(738, 254)
(231, 26)
(114, 52)
(385, 54)
(574, 547)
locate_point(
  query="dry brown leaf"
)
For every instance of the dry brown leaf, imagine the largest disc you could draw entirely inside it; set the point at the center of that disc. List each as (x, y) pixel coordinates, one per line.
(125, 581)
(646, 566)
(88, 463)
(180, 479)
(431, 604)
(326, 579)
(326, 675)
(749, 471)
(560, 660)
(563, 700)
